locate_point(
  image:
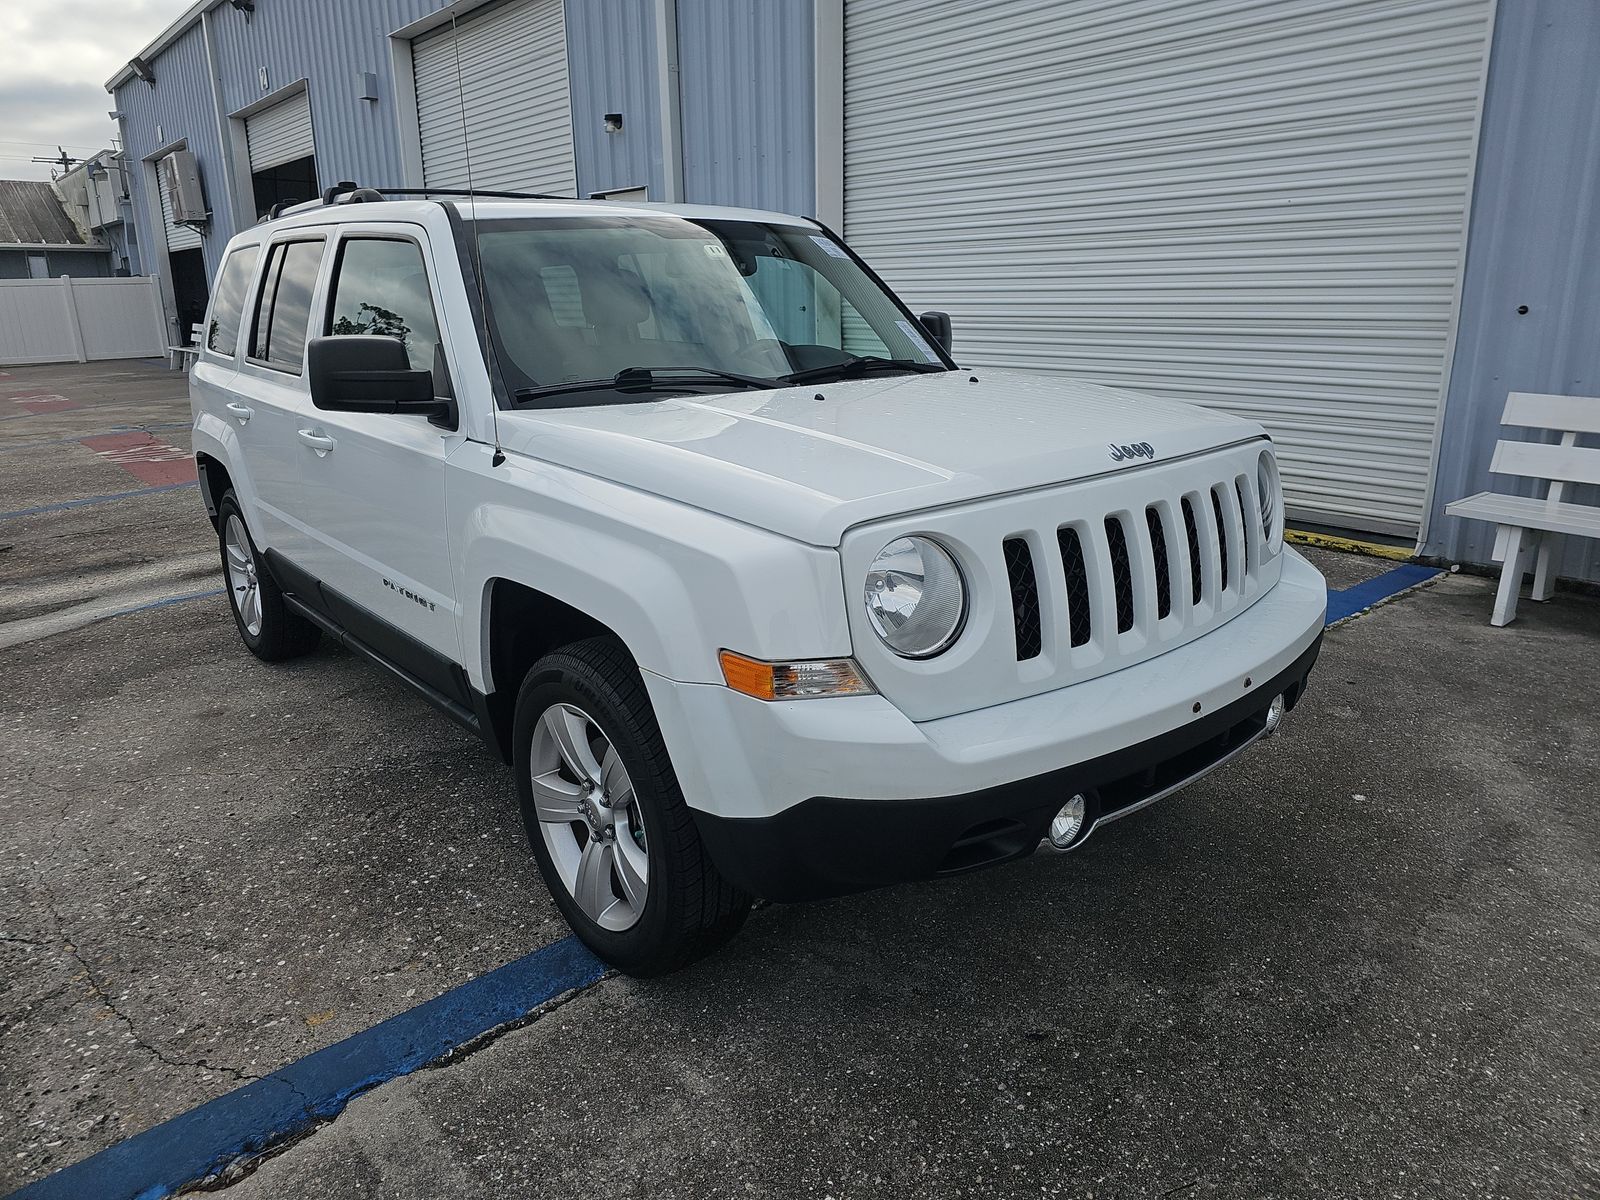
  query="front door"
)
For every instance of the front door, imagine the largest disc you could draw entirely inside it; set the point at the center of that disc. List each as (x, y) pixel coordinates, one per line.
(372, 485)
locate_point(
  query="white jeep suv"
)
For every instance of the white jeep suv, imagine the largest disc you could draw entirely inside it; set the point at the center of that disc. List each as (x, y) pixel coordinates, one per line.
(709, 537)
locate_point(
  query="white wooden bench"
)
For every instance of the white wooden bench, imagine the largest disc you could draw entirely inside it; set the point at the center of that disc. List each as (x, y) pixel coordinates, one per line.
(182, 356)
(1530, 525)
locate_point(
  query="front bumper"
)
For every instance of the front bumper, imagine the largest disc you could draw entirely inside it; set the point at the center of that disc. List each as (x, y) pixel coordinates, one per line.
(812, 798)
(828, 846)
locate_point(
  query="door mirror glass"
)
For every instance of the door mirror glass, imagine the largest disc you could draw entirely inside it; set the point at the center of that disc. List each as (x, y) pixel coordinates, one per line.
(938, 326)
(363, 373)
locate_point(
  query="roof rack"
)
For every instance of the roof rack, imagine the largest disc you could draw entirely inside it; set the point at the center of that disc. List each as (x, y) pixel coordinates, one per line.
(348, 192)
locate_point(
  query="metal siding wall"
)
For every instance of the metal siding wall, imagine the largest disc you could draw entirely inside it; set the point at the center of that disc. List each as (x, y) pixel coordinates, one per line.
(611, 58)
(1255, 206)
(746, 74)
(327, 44)
(180, 105)
(1534, 240)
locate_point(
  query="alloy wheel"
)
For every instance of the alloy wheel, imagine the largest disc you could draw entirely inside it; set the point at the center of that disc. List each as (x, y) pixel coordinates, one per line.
(590, 817)
(242, 579)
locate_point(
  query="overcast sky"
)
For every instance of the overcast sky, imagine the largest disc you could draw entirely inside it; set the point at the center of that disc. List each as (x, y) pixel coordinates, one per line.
(58, 56)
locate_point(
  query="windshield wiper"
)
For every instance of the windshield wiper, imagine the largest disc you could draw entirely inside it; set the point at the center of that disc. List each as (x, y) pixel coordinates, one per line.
(647, 379)
(854, 368)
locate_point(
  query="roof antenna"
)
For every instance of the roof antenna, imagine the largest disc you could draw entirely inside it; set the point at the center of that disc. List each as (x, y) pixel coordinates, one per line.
(477, 251)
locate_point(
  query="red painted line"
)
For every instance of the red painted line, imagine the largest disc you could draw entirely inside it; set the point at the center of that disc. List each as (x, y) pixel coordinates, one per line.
(146, 458)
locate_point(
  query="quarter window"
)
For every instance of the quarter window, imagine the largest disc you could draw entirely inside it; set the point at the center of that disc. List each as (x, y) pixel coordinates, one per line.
(380, 288)
(222, 331)
(283, 308)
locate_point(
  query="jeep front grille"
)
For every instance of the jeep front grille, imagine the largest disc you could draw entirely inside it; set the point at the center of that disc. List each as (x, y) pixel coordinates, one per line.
(1121, 580)
(1077, 589)
(1024, 598)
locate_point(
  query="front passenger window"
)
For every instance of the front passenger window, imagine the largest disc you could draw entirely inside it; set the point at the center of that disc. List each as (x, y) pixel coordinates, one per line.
(380, 287)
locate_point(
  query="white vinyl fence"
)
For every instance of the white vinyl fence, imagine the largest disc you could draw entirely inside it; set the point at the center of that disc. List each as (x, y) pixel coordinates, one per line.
(80, 320)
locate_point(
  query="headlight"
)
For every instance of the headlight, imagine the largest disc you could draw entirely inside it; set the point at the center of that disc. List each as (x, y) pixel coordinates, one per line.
(915, 596)
(1270, 497)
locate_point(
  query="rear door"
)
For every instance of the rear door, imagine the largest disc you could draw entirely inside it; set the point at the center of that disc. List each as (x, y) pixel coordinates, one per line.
(373, 493)
(271, 384)
(218, 411)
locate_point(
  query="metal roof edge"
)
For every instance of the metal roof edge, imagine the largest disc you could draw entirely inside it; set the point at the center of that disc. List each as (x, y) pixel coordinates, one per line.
(162, 40)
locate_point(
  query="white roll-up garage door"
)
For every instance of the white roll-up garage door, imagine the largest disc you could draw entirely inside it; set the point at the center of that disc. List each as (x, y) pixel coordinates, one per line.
(507, 98)
(1256, 206)
(179, 237)
(281, 133)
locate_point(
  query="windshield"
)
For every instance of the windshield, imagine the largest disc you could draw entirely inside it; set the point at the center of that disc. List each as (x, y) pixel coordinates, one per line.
(596, 310)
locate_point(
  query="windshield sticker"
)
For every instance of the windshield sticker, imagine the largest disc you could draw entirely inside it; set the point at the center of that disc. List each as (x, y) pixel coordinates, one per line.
(715, 250)
(918, 341)
(829, 246)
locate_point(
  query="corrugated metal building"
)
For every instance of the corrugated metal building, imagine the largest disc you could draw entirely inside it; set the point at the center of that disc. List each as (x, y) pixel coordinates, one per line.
(1261, 205)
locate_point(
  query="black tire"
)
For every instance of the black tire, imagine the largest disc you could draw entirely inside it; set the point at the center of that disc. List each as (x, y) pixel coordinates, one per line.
(283, 634)
(689, 909)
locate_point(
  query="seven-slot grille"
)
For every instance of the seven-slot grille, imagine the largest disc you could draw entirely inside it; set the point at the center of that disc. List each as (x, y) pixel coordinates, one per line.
(1122, 574)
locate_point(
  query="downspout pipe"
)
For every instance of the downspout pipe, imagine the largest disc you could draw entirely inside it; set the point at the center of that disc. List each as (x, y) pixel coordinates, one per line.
(669, 101)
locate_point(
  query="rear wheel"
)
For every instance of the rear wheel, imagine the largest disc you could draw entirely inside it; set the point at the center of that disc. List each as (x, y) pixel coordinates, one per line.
(269, 629)
(606, 820)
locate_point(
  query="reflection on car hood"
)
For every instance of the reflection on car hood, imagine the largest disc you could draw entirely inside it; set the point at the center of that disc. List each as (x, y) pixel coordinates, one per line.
(810, 462)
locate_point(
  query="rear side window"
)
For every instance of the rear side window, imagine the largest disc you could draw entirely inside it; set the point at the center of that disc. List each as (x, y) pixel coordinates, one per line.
(380, 287)
(283, 309)
(227, 306)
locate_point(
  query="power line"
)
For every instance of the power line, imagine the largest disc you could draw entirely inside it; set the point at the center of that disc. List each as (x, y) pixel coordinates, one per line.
(43, 145)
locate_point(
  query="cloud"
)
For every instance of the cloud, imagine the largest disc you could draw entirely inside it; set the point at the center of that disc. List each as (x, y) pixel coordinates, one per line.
(59, 54)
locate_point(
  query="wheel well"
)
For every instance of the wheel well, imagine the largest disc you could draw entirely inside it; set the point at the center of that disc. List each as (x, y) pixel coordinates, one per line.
(524, 625)
(214, 481)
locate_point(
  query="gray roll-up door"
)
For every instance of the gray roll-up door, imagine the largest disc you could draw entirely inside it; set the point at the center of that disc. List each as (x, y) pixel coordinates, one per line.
(507, 100)
(281, 133)
(179, 237)
(1255, 206)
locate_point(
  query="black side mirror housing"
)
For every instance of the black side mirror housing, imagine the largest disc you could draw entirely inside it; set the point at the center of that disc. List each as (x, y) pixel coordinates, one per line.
(938, 326)
(367, 374)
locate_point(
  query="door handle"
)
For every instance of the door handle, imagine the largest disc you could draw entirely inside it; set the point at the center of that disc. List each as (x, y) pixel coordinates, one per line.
(320, 442)
(243, 411)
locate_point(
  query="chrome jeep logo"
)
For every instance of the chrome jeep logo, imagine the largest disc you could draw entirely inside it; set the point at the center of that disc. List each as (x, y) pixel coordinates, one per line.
(1137, 450)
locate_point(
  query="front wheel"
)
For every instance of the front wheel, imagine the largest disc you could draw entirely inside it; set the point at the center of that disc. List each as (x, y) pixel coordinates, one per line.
(608, 825)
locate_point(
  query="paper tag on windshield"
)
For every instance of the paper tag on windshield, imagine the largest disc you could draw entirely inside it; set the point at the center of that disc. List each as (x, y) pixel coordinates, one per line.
(829, 246)
(917, 340)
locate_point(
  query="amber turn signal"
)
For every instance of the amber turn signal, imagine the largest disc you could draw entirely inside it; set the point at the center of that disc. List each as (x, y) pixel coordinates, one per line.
(804, 680)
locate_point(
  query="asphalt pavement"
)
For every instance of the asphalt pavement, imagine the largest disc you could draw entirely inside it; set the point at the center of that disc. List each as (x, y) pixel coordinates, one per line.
(1363, 960)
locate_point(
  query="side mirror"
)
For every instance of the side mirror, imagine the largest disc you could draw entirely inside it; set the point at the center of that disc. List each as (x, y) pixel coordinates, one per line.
(362, 373)
(938, 326)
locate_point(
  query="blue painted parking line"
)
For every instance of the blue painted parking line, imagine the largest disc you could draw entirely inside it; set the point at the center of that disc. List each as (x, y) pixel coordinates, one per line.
(1352, 600)
(201, 1142)
(165, 601)
(63, 505)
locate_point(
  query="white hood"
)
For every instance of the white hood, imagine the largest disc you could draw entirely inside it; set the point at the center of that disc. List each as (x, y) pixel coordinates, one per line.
(810, 462)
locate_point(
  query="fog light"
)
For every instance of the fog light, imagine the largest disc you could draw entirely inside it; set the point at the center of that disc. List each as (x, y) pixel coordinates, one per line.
(1274, 715)
(1067, 824)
